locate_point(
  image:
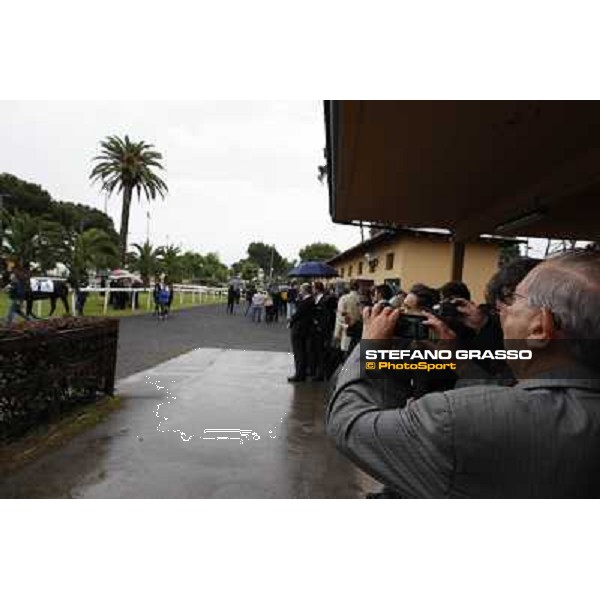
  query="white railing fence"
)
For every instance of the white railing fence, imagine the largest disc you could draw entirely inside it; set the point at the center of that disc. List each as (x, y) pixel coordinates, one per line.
(200, 294)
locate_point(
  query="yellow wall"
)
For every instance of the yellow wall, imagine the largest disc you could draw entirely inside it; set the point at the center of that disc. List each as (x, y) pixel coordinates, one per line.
(481, 262)
(426, 260)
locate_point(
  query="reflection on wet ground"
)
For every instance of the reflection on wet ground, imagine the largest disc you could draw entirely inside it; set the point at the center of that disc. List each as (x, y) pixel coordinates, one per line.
(267, 438)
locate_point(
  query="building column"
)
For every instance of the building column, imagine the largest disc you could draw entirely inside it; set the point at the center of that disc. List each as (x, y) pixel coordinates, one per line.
(458, 260)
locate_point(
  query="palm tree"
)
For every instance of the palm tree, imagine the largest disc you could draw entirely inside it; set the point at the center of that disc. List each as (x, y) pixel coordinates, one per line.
(146, 260)
(30, 240)
(171, 262)
(126, 166)
(92, 249)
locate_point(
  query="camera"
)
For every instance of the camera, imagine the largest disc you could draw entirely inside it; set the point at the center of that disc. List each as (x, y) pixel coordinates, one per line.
(446, 309)
(409, 326)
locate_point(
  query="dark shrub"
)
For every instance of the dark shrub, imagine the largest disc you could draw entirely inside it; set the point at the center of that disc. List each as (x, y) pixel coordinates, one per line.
(46, 367)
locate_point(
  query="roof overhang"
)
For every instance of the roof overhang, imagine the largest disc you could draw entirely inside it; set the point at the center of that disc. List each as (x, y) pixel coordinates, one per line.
(473, 167)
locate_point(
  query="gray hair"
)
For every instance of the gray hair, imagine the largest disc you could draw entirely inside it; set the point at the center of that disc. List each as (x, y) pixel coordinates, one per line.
(569, 286)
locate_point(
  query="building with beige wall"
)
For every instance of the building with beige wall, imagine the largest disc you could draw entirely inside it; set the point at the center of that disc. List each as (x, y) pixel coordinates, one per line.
(412, 256)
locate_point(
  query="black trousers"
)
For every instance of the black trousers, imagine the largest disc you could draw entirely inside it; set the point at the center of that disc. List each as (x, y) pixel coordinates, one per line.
(300, 348)
(317, 355)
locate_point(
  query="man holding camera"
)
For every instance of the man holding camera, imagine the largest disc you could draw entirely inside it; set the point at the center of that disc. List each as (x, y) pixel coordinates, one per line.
(540, 438)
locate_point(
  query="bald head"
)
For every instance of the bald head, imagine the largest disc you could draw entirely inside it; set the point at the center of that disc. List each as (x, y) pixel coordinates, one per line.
(569, 287)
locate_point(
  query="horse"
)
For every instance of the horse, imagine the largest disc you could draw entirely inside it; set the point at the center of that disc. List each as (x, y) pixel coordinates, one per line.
(40, 288)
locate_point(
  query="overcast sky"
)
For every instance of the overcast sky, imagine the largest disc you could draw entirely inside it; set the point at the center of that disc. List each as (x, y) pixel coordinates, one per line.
(237, 171)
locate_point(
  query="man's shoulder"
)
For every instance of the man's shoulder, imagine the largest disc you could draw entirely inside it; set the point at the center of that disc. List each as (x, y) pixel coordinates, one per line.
(511, 399)
(476, 393)
(476, 396)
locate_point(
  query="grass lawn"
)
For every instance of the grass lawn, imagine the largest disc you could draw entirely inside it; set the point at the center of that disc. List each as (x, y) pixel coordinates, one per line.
(94, 307)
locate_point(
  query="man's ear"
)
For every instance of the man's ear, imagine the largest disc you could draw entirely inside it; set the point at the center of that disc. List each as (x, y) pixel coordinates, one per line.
(540, 329)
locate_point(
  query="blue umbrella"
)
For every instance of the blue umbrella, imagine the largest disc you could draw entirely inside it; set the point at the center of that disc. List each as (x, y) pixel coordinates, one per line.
(313, 269)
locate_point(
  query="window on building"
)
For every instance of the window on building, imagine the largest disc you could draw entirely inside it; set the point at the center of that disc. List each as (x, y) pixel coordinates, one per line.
(342, 272)
(373, 265)
(389, 261)
(360, 267)
(350, 271)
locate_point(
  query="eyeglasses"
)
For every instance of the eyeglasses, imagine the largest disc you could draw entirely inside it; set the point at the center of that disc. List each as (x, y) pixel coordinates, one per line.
(510, 298)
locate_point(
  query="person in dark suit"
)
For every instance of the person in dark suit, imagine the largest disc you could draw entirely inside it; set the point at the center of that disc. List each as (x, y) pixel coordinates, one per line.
(321, 331)
(300, 327)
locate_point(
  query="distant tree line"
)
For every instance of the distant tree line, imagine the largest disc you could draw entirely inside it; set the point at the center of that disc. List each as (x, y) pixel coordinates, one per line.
(41, 232)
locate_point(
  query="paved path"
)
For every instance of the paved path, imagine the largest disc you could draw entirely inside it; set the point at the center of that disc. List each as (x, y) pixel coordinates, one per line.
(228, 373)
(145, 342)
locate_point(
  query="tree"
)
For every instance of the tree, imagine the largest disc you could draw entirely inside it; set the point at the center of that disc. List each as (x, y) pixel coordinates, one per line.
(508, 252)
(90, 249)
(23, 196)
(30, 198)
(319, 251)
(266, 257)
(192, 265)
(126, 166)
(214, 271)
(80, 218)
(146, 260)
(245, 268)
(323, 170)
(171, 262)
(29, 240)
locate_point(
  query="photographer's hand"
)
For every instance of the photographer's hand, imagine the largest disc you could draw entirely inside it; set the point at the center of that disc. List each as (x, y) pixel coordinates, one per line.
(439, 328)
(472, 316)
(379, 322)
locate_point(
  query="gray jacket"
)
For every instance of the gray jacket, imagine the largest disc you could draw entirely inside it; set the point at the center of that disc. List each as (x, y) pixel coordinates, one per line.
(538, 439)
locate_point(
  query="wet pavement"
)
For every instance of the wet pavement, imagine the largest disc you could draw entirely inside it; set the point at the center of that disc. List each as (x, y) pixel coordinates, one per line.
(144, 341)
(270, 443)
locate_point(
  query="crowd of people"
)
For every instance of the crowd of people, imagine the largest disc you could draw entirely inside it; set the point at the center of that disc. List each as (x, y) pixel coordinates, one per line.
(327, 322)
(494, 428)
(262, 305)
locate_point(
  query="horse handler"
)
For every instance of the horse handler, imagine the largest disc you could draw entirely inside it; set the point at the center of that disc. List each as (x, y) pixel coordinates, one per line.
(16, 294)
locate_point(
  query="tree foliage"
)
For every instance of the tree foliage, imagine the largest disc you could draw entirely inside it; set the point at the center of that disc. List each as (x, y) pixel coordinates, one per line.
(508, 252)
(89, 250)
(26, 197)
(40, 244)
(266, 257)
(30, 198)
(195, 267)
(171, 262)
(146, 260)
(126, 167)
(28, 240)
(319, 251)
(246, 268)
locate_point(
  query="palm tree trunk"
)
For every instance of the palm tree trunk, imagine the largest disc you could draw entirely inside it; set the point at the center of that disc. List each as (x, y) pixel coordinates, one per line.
(124, 223)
